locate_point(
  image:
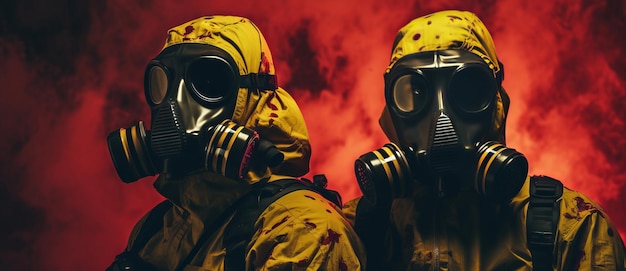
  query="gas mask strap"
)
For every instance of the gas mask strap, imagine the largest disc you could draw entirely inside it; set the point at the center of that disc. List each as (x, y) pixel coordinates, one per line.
(260, 81)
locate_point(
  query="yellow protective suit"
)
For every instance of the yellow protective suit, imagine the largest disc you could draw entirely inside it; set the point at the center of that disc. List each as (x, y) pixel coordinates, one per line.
(300, 231)
(467, 232)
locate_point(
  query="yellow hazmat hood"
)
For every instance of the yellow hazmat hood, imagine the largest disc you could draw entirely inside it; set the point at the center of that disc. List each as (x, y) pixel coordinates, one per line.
(274, 114)
(450, 29)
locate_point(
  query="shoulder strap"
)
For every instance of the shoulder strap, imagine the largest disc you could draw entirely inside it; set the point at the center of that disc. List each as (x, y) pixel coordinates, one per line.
(371, 224)
(129, 259)
(542, 220)
(152, 224)
(239, 231)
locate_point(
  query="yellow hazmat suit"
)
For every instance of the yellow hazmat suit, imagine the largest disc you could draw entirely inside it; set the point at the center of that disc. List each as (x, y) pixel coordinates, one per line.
(300, 231)
(467, 232)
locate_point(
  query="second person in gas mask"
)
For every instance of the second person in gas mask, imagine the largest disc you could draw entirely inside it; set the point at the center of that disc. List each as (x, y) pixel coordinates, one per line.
(447, 193)
(223, 136)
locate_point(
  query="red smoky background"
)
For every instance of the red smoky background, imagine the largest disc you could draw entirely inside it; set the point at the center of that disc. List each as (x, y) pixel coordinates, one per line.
(72, 72)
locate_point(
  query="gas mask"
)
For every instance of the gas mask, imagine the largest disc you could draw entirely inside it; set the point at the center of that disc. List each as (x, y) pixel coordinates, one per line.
(442, 105)
(191, 90)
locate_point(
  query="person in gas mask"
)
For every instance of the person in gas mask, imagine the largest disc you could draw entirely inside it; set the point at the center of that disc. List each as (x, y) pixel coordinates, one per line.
(224, 140)
(447, 193)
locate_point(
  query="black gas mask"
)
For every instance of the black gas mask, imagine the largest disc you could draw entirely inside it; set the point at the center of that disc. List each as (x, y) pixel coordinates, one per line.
(442, 105)
(192, 90)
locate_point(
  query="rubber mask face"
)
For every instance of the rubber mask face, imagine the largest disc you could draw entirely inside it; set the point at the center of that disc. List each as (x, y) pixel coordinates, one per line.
(442, 105)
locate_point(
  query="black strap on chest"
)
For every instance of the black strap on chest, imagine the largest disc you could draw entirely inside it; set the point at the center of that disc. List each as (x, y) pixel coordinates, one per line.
(542, 220)
(153, 223)
(129, 260)
(371, 224)
(240, 230)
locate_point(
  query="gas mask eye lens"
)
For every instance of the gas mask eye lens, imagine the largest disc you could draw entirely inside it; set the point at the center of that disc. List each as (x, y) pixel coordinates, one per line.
(211, 78)
(410, 93)
(472, 88)
(157, 84)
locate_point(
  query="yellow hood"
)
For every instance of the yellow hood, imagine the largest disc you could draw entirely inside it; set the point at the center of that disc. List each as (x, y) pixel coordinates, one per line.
(274, 114)
(450, 29)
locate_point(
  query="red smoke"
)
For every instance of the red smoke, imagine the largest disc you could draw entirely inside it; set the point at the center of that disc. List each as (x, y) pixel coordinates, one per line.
(72, 72)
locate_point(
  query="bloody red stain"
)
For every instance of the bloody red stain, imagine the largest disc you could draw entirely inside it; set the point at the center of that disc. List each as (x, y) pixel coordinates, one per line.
(332, 237)
(269, 102)
(452, 18)
(271, 122)
(342, 265)
(265, 63)
(273, 115)
(310, 225)
(271, 106)
(188, 30)
(277, 224)
(417, 36)
(206, 35)
(582, 205)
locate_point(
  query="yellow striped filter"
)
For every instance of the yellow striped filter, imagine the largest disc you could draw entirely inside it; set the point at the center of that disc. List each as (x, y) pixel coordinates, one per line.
(500, 171)
(230, 149)
(130, 153)
(383, 174)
